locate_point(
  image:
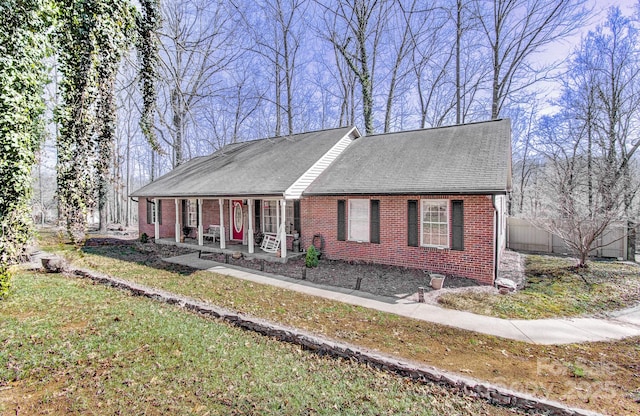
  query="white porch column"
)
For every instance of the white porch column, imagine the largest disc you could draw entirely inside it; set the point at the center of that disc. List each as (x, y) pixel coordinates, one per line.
(223, 242)
(200, 227)
(278, 216)
(177, 221)
(250, 230)
(283, 228)
(156, 224)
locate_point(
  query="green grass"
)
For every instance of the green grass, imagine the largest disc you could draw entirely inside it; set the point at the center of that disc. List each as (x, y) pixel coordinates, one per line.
(508, 363)
(77, 347)
(555, 288)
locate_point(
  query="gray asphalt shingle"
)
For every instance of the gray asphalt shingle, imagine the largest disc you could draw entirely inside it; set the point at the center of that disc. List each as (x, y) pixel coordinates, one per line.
(259, 167)
(470, 158)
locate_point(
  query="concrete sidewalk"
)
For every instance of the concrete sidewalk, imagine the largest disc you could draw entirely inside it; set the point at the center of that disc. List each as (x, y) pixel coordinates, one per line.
(619, 325)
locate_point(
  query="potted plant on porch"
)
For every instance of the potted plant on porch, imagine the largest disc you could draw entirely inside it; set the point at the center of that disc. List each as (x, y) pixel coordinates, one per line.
(185, 233)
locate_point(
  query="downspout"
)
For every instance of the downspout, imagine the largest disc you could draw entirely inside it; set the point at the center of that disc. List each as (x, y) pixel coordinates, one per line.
(495, 238)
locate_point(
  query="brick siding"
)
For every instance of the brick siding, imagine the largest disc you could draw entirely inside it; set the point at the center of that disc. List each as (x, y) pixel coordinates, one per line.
(167, 228)
(476, 261)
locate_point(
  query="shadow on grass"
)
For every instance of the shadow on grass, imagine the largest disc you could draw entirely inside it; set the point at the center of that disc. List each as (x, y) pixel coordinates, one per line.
(145, 254)
(378, 280)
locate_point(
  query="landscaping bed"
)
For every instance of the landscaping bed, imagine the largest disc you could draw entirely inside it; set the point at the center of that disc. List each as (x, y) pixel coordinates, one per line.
(382, 280)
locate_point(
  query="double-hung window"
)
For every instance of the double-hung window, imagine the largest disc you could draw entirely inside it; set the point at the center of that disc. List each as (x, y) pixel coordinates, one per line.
(151, 212)
(192, 213)
(435, 223)
(270, 216)
(359, 220)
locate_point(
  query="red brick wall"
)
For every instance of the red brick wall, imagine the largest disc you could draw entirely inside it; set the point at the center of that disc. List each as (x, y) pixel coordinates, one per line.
(319, 216)
(167, 228)
(210, 216)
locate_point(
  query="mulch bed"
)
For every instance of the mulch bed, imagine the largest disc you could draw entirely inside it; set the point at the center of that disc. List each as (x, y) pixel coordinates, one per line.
(398, 282)
(381, 280)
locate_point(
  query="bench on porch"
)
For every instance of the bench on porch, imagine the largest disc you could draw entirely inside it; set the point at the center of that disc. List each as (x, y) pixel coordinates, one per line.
(213, 233)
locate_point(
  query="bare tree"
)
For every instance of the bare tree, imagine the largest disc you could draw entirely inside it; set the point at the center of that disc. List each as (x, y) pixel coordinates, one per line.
(448, 82)
(347, 82)
(568, 212)
(407, 20)
(591, 159)
(196, 45)
(515, 30)
(524, 155)
(355, 29)
(224, 120)
(277, 32)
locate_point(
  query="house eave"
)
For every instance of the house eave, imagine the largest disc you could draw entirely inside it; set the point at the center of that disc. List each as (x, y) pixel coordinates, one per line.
(396, 193)
(213, 196)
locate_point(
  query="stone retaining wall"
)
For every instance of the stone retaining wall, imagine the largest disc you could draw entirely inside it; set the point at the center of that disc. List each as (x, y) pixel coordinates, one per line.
(417, 372)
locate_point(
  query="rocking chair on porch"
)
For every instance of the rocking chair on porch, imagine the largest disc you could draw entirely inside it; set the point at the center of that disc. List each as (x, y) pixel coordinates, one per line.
(271, 243)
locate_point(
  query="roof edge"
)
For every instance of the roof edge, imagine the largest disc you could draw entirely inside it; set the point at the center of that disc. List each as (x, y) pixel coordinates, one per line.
(470, 192)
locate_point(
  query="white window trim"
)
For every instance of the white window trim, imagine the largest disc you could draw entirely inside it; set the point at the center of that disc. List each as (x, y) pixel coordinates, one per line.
(424, 202)
(152, 220)
(290, 217)
(349, 217)
(192, 213)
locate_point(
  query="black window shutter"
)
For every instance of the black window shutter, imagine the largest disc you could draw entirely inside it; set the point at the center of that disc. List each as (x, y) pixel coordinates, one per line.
(296, 216)
(374, 221)
(412, 223)
(198, 211)
(257, 209)
(184, 213)
(342, 234)
(457, 225)
(159, 211)
(149, 211)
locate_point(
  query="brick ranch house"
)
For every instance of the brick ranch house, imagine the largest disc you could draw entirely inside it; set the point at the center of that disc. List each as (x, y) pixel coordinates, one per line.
(432, 199)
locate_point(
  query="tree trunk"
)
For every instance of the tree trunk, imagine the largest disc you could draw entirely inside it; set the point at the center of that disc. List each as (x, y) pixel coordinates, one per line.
(631, 240)
(176, 106)
(458, 39)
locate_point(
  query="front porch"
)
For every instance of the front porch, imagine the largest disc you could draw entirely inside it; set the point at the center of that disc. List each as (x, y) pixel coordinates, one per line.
(229, 250)
(228, 225)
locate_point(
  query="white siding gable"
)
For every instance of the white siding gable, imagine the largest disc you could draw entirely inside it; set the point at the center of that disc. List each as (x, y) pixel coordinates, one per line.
(300, 185)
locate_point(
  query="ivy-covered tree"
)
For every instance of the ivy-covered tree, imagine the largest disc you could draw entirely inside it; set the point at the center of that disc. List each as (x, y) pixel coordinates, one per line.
(92, 37)
(148, 23)
(23, 48)
(112, 37)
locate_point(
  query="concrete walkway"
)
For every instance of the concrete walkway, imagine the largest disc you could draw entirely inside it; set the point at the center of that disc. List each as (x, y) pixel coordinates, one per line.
(619, 325)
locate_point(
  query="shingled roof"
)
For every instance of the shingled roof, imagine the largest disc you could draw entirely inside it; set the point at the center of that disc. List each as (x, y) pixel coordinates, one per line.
(259, 167)
(469, 158)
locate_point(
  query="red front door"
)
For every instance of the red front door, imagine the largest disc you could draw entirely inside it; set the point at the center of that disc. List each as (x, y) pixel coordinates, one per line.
(237, 220)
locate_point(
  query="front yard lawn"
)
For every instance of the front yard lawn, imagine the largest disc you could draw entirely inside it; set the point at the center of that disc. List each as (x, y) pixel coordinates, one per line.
(555, 288)
(72, 347)
(603, 376)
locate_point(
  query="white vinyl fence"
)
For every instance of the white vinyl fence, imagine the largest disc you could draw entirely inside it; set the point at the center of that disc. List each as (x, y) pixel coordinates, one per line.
(522, 235)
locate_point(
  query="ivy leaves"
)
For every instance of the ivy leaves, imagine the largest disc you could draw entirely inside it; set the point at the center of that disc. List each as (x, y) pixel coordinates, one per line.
(93, 35)
(23, 48)
(148, 23)
(89, 38)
